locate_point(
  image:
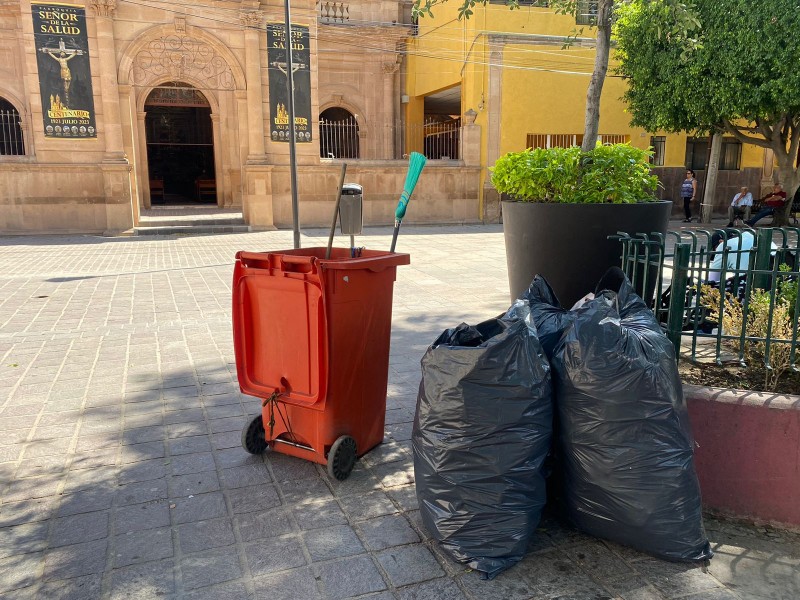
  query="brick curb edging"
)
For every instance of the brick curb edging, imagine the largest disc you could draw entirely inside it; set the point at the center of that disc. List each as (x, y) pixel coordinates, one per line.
(747, 453)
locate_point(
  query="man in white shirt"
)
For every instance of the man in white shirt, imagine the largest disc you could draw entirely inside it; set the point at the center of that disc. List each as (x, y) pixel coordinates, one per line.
(740, 206)
(737, 257)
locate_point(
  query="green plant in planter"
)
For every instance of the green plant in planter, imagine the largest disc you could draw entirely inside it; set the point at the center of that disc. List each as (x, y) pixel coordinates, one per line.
(614, 173)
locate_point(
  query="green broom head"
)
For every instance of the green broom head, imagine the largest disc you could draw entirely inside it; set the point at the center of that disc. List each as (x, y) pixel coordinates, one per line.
(415, 165)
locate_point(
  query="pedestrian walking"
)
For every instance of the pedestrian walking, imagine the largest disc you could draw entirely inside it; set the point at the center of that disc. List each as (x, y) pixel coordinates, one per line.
(688, 193)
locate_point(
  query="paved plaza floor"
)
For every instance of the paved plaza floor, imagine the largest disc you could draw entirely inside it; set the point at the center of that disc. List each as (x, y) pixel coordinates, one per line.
(122, 475)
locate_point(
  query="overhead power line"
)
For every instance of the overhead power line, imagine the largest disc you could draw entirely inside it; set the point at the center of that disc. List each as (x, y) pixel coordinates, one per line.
(562, 67)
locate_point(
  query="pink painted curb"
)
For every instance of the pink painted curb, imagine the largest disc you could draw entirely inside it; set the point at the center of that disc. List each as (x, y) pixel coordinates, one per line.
(747, 452)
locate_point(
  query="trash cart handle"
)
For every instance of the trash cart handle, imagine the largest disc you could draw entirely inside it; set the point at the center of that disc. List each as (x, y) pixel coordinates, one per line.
(297, 264)
(298, 260)
(282, 262)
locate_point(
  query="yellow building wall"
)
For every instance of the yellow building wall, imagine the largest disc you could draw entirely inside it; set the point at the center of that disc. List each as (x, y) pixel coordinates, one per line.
(544, 86)
(415, 113)
(530, 20)
(437, 52)
(547, 102)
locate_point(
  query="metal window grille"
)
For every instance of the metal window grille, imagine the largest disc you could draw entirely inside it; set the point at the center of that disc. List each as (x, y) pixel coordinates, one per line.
(443, 139)
(697, 152)
(613, 138)
(553, 140)
(341, 138)
(11, 139)
(658, 143)
(567, 140)
(338, 139)
(586, 12)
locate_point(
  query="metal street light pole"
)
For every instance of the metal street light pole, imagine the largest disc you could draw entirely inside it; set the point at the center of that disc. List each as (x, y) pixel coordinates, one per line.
(292, 134)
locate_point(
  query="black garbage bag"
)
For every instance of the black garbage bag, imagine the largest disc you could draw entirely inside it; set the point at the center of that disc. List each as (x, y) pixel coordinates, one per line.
(624, 442)
(482, 428)
(550, 320)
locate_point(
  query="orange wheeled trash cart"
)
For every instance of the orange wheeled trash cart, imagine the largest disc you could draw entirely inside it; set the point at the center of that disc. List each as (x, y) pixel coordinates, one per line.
(311, 337)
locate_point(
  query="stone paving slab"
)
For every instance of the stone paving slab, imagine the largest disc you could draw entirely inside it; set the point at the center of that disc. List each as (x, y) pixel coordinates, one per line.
(122, 474)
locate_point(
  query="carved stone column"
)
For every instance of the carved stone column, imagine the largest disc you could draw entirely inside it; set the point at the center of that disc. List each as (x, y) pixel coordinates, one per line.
(130, 144)
(470, 140)
(104, 11)
(218, 171)
(491, 211)
(389, 70)
(252, 21)
(141, 158)
(494, 100)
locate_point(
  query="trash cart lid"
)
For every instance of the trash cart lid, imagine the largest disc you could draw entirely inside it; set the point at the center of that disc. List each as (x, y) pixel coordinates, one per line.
(351, 189)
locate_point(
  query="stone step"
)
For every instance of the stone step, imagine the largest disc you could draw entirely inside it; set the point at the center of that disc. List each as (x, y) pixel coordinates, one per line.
(190, 229)
(188, 221)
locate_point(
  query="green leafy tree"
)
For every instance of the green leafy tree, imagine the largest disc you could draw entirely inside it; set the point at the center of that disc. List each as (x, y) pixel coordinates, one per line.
(681, 22)
(741, 79)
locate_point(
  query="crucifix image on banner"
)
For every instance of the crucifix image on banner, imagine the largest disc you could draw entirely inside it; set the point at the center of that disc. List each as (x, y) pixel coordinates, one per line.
(301, 79)
(65, 77)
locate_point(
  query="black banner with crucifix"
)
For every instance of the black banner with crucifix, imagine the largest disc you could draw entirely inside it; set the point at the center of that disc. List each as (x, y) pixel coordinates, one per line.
(301, 75)
(65, 76)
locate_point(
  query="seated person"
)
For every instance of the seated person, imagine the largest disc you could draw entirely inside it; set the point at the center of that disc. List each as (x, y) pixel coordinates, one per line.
(735, 246)
(738, 255)
(719, 235)
(740, 206)
(776, 199)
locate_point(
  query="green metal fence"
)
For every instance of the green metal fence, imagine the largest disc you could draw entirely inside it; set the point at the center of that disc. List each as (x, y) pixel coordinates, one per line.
(670, 273)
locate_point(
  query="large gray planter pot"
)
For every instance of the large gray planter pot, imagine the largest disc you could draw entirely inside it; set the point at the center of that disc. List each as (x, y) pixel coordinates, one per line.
(568, 243)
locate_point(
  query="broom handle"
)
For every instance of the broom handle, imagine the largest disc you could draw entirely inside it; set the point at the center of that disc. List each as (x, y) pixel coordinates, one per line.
(405, 197)
(335, 211)
(394, 235)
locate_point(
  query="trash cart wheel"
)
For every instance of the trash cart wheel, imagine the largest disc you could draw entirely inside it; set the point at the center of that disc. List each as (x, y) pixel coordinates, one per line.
(254, 437)
(342, 457)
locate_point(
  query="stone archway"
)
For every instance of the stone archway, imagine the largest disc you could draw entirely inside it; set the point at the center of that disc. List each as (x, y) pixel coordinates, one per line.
(178, 52)
(199, 60)
(338, 107)
(180, 145)
(338, 133)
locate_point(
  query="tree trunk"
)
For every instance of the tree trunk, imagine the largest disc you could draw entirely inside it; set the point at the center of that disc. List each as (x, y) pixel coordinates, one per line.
(710, 187)
(790, 180)
(591, 126)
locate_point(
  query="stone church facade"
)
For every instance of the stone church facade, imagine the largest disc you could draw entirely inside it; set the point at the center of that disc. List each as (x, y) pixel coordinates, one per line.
(182, 112)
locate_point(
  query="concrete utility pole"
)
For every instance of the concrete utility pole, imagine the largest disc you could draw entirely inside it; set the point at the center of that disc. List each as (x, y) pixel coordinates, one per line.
(292, 140)
(711, 179)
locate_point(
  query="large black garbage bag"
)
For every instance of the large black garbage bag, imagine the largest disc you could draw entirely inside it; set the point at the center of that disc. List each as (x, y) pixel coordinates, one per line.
(624, 447)
(482, 429)
(550, 320)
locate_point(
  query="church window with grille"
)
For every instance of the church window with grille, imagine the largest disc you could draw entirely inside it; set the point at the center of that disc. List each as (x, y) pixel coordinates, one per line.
(11, 140)
(338, 134)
